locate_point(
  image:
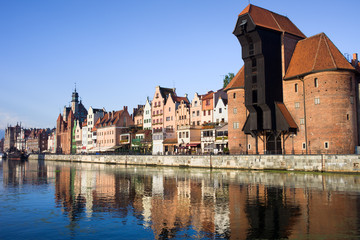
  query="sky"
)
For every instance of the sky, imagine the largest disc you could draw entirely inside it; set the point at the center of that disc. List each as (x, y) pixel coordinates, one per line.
(118, 51)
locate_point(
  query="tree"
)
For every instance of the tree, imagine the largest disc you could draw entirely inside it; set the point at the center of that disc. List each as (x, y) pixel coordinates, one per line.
(228, 78)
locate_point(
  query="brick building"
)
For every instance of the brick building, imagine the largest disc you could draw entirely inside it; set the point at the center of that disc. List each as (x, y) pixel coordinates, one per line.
(65, 124)
(37, 141)
(111, 127)
(294, 94)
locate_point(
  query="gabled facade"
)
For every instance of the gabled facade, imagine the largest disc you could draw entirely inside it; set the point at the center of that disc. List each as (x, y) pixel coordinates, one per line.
(196, 110)
(93, 115)
(158, 107)
(207, 107)
(220, 113)
(138, 114)
(147, 115)
(78, 136)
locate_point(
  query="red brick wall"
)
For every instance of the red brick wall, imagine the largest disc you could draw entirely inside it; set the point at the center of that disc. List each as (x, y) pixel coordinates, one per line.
(237, 138)
(333, 120)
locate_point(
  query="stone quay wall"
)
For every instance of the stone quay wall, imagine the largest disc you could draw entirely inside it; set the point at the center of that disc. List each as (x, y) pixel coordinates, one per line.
(309, 163)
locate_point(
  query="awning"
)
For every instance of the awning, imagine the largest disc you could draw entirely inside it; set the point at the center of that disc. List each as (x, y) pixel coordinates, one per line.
(101, 149)
(209, 147)
(193, 144)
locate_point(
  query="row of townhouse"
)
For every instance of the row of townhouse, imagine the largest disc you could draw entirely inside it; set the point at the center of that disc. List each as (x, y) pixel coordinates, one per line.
(167, 124)
(178, 124)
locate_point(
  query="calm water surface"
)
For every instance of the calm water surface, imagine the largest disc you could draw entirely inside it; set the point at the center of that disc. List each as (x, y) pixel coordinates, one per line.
(56, 200)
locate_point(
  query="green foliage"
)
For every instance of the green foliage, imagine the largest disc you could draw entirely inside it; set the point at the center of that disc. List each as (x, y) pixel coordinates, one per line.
(228, 78)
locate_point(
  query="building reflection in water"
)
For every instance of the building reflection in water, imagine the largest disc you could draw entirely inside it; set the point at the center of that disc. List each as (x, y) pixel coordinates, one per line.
(201, 203)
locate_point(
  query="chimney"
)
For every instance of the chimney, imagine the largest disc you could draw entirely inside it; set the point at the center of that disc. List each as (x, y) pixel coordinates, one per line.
(355, 57)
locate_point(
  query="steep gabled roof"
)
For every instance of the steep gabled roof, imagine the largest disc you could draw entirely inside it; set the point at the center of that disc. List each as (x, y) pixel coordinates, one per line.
(179, 99)
(315, 54)
(267, 19)
(208, 95)
(238, 81)
(166, 91)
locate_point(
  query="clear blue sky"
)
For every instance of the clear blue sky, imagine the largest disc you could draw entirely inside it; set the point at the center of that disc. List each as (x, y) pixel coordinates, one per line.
(118, 51)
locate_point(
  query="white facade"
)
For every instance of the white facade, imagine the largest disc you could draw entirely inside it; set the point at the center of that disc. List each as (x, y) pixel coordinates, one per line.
(84, 138)
(221, 111)
(208, 140)
(158, 147)
(147, 115)
(78, 136)
(52, 142)
(92, 117)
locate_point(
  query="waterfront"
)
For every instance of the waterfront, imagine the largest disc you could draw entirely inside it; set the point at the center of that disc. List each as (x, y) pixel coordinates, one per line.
(61, 200)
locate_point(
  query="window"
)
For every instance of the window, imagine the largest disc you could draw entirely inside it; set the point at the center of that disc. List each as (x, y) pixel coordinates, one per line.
(198, 113)
(195, 103)
(296, 87)
(187, 134)
(209, 112)
(303, 146)
(347, 116)
(198, 123)
(167, 119)
(193, 113)
(317, 101)
(235, 110)
(169, 109)
(326, 145)
(254, 79)
(157, 112)
(207, 102)
(253, 62)
(302, 121)
(251, 48)
(297, 105)
(234, 95)
(235, 125)
(204, 113)
(220, 110)
(254, 96)
(316, 82)
(249, 146)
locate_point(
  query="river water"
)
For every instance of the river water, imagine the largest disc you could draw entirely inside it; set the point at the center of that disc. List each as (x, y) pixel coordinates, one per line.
(58, 200)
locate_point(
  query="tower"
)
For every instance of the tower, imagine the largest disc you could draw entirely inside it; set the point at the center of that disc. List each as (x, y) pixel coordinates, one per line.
(263, 36)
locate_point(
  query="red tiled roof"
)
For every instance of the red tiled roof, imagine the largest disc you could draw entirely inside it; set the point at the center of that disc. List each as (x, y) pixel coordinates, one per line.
(238, 81)
(208, 95)
(286, 115)
(315, 54)
(271, 20)
(110, 118)
(178, 99)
